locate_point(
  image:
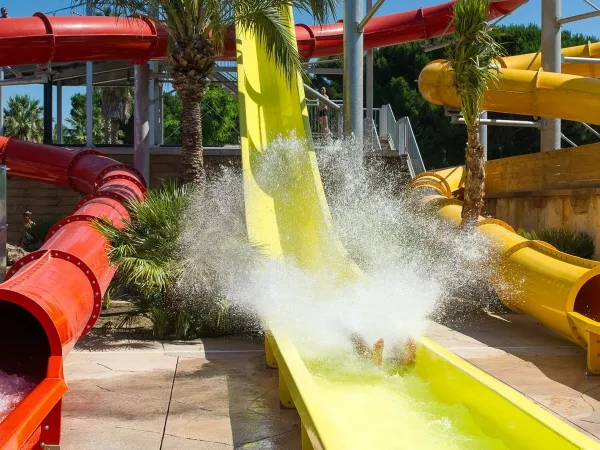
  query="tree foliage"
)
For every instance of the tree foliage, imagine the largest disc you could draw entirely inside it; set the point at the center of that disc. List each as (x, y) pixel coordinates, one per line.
(75, 129)
(23, 118)
(396, 70)
(220, 118)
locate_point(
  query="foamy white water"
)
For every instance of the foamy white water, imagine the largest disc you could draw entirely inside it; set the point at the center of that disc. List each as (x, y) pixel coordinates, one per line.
(412, 259)
(13, 389)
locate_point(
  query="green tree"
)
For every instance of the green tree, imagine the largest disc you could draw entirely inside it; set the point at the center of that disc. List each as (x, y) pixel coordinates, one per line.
(117, 103)
(23, 118)
(75, 130)
(220, 118)
(197, 31)
(471, 56)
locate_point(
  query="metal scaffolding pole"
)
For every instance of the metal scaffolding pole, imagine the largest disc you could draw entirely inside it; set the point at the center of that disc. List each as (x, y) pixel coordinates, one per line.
(154, 105)
(551, 62)
(48, 112)
(369, 88)
(89, 94)
(483, 134)
(59, 113)
(141, 131)
(1, 103)
(353, 70)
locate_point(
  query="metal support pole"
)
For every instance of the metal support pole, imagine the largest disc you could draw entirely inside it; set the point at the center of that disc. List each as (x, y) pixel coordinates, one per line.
(59, 113)
(1, 103)
(48, 112)
(353, 70)
(3, 222)
(154, 106)
(369, 88)
(141, 130)
(551, 62)
(89, 94)
(483, 134)
(371, 10)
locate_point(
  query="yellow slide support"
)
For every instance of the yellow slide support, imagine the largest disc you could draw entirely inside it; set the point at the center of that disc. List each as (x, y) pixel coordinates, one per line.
(288, 217)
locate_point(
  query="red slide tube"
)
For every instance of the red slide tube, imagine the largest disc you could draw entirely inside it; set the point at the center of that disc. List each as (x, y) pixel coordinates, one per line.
(41, 39)
(52, 297)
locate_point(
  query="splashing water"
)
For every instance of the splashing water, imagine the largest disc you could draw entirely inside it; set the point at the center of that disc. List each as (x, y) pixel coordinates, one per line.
(13, 389)
(412, 259)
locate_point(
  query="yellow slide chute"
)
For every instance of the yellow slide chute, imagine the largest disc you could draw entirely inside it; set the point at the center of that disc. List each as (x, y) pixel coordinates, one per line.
(288, 217)
(527, 92)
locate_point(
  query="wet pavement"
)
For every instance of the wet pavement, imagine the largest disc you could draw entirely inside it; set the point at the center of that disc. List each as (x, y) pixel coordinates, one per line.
(535, 361)
(214, 394)
(218, 394)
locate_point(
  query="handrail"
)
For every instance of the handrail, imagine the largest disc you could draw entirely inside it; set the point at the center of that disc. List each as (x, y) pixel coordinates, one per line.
(401, 138)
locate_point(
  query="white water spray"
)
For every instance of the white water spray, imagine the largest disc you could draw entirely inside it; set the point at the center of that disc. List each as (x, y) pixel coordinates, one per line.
(413, 260)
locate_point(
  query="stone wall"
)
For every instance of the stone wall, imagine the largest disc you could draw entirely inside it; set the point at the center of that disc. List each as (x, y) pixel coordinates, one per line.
(551, 189)
(51, 202)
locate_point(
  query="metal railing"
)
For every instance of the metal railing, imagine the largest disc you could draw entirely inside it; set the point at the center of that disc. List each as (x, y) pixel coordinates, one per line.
(401, 138)
(371, 138)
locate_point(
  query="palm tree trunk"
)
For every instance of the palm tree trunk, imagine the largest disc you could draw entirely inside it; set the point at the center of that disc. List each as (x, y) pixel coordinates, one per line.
(107, 131)
(114, 131)
(191, 169)
(474, 178)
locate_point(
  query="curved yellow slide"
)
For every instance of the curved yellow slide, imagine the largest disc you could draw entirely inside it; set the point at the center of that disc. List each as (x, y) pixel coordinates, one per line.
(571, 95)
(288, 217)
(557, 289)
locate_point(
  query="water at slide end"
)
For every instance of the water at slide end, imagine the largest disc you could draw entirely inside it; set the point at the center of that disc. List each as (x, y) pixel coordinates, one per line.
(13, 389)
(405, 253)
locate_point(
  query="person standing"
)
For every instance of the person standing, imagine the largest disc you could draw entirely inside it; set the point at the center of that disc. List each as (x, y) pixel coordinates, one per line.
(323, 109)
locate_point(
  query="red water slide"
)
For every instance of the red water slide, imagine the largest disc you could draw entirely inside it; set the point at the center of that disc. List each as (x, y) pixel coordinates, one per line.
(52, 297)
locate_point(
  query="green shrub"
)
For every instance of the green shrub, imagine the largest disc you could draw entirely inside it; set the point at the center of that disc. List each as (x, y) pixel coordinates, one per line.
(575, 243)
(147, 252)
(38, 231)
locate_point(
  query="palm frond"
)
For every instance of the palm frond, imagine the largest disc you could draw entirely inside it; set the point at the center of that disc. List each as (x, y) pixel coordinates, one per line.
(472, 56)
(322, 10)
(270, 22)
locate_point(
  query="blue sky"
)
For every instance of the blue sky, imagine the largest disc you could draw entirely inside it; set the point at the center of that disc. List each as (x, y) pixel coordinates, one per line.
(529, 13)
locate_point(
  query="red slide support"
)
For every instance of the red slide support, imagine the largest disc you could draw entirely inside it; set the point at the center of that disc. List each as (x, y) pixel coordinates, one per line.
(41, 39)
(52, 297)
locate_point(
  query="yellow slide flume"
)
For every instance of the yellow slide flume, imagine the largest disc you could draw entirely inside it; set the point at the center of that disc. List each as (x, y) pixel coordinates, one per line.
(288, 217)
(527, 92)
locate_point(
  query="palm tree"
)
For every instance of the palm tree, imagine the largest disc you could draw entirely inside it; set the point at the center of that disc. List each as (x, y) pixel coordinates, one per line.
(197, 30)
(23, 118)
(471, 57)
(116, 108)
(116, 101)
(75, 131)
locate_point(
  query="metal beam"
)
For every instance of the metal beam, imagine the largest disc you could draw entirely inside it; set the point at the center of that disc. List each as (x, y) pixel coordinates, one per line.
(483, 134)
(353, 70)
(141, 131)
(40, 79)
(574, 59)
(48, 112)
(59, 113)
(318, 95)
(592, 5)
(567, 140)
(579, 17)
(593, 131)
(369, 74)
(1, 102)
(551, 62)
(370, 13)
(501, 122)
(89, 104)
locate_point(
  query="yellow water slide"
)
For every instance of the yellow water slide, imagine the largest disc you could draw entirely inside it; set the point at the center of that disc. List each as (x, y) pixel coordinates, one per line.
(559, 290)
(288, 217)
(525, 89)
